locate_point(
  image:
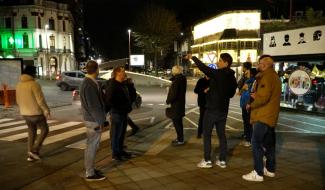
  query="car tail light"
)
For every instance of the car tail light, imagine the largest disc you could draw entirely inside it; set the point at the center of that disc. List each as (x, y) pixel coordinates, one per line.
(58, 77)
(74, 93)
(314, 81)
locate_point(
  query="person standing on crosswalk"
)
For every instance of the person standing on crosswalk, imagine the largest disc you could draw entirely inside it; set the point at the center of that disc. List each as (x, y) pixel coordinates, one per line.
(94, 116)
(33, 108)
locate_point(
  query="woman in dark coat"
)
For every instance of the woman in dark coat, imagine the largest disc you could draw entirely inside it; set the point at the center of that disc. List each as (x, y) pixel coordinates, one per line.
(176, 97)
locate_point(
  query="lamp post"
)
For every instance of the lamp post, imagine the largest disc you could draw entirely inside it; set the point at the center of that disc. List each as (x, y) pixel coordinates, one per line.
(129, 31)
(47, 52)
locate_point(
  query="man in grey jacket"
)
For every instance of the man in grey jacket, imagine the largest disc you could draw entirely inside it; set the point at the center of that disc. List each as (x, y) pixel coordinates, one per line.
(94, 115)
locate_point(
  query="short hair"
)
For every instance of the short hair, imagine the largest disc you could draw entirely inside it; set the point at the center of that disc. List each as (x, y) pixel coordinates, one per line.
(177, 70)
(226, 57)
(265, 56)
(116, 70)
(91, 67)
(247, 65)
(30, 70)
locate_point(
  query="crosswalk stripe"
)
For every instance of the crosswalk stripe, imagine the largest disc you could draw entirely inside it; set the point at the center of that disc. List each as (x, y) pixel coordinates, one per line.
(52, 128)
(66, 135)
(20, 128)
(6, 119)
(11, 123)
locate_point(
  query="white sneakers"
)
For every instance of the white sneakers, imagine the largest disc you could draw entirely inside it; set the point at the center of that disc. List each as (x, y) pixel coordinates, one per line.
(268, 174)
(221, 164)
(204, 164)
(253, 176)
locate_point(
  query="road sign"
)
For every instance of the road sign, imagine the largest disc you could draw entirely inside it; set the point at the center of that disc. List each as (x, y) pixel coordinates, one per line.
(212, 65)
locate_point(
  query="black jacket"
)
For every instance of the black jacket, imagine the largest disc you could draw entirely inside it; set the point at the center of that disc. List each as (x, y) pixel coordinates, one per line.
(222, 86)
(117, 97)
(201, 85)
(92, 104)
(176, 96)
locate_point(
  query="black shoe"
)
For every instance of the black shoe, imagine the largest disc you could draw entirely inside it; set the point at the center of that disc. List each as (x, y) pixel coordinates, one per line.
(126, 155)
(134, 131)
(177, 143)
(117, 158)
(98, 172)
(95, 177)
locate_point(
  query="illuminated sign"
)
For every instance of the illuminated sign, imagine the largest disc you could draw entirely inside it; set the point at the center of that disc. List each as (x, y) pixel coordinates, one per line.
(137, 60)
(299, 82)
(241, 20)
(308, 40)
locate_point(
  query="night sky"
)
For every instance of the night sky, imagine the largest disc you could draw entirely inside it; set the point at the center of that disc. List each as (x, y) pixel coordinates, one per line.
(107, 21)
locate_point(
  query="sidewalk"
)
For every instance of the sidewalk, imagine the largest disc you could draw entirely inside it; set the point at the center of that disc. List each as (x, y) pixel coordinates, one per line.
(158, 165)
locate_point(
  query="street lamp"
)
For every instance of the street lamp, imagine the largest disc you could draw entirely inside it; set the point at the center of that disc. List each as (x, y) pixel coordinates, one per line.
(129, 31)
(47, 51)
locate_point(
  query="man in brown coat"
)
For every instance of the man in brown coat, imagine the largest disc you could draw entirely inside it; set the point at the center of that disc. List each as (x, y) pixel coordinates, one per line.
(265, 108)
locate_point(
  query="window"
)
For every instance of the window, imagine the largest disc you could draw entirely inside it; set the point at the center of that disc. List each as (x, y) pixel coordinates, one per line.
(249, 45)
(64, 44)
(8, 22)
(52, 41)
(40, 41)
(81, 75)
(72, 74)
(10, 42)
(24, 22)
(25, 41)
(39, 22)
(63, 25)
(51, 24)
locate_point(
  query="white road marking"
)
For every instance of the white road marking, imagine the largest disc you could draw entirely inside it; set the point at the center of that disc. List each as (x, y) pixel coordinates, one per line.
(11, 123)
(20, 128)
(193, 123)
(6, 119)
(52, 128)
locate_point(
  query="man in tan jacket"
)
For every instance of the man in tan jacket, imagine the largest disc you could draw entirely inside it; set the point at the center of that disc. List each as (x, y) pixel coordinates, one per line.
(34, 110)
(265, 108)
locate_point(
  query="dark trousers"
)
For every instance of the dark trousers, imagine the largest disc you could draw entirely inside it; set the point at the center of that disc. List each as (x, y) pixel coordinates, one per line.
(34, 122)
(263, 143)
(200, 128)
(132, 124)
(178, 124)
(247, 126)
(217, 119)
(118, 130)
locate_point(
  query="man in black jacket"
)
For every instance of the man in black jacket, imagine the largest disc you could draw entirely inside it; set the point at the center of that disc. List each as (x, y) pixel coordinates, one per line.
(94, 115)
(222, 87)
(176, 98)
(117, 98)
(201, 89)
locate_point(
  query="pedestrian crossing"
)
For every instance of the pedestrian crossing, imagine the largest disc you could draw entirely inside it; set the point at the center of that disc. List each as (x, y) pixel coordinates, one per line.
(12, 130)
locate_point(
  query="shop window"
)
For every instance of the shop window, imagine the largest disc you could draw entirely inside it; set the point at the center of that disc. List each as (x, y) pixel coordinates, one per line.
(24, 22)
(40, 41)
(25, 41)
(63, 25)
(51, 24)
(8, 22)
(39, 22)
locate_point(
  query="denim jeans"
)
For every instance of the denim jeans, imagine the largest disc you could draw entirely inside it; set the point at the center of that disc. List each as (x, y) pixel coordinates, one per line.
(178, 124)
(263, 143)
(34, 144)
(247, 126)
(93, 139)
(211, 119)
(117, 132)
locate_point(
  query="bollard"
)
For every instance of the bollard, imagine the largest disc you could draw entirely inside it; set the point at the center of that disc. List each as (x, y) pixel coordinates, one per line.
(5, 96)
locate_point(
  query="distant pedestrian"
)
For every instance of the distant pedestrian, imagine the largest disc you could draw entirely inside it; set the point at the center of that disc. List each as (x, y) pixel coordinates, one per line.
(93, 111)
(265, 109)
(245, 67)
(222, 87)
(244, 100)
(33, 108)
(201, 89)
(176, 98)
(117, 98)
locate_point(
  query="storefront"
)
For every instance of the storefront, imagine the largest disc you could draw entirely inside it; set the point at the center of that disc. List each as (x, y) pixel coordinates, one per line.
(300, 61)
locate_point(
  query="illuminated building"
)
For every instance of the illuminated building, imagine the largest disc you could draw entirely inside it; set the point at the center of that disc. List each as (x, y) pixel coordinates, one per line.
(234, 32)
(40, 32)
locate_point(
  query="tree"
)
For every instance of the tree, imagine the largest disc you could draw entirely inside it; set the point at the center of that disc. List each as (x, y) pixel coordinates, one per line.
(156, 28)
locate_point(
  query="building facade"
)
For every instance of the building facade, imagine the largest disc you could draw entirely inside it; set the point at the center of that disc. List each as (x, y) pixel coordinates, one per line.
(41, 33)
(234, 32)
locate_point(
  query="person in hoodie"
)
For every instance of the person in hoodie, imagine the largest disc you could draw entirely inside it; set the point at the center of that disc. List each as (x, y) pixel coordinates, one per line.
(33, 108)
(222, 87)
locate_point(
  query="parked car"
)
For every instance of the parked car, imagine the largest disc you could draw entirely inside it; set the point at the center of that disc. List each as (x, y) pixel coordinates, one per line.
(69, 80)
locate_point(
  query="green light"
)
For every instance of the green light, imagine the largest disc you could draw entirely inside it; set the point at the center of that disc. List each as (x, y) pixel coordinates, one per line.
(11, 40)
(10, 57)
